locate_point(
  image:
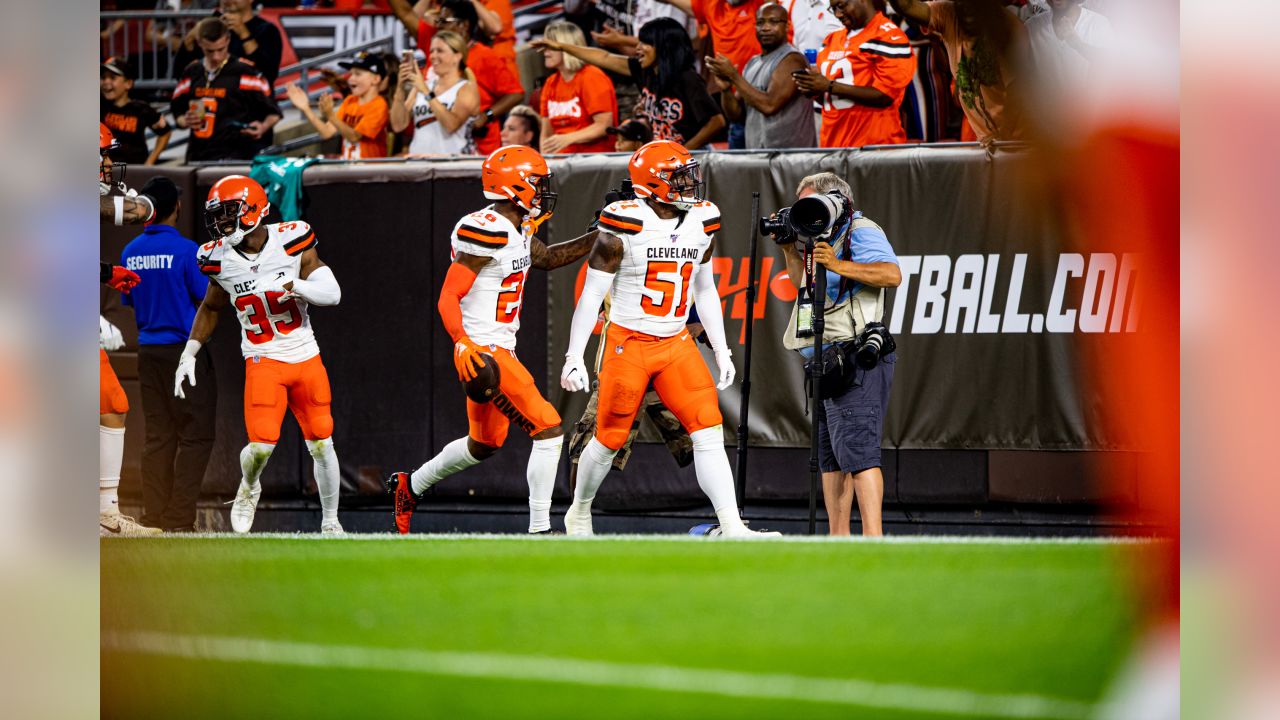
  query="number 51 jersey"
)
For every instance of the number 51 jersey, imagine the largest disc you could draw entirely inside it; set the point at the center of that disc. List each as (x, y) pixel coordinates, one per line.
(491, 308)
(652, 286)
(270, 327)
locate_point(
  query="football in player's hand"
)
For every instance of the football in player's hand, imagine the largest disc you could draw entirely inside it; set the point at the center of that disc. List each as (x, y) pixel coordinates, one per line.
(484, 386)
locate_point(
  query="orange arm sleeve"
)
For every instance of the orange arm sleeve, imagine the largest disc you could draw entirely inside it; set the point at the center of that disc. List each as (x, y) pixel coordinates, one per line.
(457, 283)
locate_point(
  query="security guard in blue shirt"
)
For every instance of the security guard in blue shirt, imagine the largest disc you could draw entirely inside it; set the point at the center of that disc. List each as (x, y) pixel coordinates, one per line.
(179, 432)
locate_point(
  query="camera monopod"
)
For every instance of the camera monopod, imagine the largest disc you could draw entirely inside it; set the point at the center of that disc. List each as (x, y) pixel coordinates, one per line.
(818, 276)
(741, 480)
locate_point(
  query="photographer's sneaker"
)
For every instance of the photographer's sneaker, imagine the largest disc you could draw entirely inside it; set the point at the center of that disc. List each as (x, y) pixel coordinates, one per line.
(332, 527)
(113, 523)
(399, 486)
(741, 531)
(244, 507)
(577, 522)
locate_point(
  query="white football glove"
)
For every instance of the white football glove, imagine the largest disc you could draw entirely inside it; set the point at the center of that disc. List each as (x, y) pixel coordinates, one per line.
(109, 336)
(574, 376)
(724, 363)
(186, 368)
(276, 284)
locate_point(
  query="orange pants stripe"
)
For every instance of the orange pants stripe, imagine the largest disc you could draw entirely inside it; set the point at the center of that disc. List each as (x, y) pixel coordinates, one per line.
(111, 397)
(633, 360)
(271, 387)
(519, 401)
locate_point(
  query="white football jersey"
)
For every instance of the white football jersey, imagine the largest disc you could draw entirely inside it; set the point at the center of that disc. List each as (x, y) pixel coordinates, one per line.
(651, 290)
(491, 308)
(270, 328)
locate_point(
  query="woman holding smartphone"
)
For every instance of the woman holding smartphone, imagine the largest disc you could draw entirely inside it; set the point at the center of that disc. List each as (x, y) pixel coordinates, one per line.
(439, 105)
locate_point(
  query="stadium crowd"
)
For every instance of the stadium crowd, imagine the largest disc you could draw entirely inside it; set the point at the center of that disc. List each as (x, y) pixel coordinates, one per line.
(705, 73)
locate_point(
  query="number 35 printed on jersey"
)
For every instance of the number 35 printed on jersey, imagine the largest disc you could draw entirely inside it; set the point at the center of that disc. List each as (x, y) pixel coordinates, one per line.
(268, 315)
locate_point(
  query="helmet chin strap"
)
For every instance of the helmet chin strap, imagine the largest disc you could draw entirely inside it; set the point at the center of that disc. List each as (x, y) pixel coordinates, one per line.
(237, 237)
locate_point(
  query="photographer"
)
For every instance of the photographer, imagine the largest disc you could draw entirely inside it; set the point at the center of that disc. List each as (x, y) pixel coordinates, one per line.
(859, 264)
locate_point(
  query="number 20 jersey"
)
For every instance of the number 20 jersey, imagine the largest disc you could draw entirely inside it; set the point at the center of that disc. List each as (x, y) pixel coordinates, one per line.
(270, 328)
(651, 290)
(491, 308)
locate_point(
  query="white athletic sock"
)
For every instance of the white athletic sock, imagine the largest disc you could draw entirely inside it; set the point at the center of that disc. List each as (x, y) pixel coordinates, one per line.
(253, 460)
(455, 457)
(593, 466)
(110, 455)
(714, 475)
(328, 479)
(544, 459)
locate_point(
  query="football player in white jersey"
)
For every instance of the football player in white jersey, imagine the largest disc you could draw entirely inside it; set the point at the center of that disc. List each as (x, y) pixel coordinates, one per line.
(125, 207)
(270, 274)
(479, 306)
(652, 254)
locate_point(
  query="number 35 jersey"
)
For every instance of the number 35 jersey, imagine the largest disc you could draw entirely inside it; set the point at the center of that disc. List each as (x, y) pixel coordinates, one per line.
(491, 308)
(652, 286)
(270, 327)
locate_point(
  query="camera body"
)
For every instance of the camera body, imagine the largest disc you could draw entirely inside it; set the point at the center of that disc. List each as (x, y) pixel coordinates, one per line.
(813, 216)
(873, 343)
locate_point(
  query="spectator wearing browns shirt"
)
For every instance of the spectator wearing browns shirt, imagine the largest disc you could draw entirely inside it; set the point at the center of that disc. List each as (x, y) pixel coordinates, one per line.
(129, 119)
(578, 102)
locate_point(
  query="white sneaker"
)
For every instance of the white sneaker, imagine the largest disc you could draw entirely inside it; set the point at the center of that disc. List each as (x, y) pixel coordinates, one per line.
(742, 531)
(114, 524)
(243, 508)
(332, 527)
(578, 520)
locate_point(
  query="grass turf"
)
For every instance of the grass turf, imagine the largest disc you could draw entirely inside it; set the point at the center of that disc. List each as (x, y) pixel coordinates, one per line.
(986, 619)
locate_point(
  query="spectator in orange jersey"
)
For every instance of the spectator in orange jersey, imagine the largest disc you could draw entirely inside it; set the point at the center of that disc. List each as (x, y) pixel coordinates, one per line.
(361, 120)
(578, 102)
(987, 49)
(862, 75)
(499, 23)
(499, 85)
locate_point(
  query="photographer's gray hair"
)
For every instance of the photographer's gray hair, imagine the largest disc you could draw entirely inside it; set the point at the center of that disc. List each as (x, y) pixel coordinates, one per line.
(825, 182)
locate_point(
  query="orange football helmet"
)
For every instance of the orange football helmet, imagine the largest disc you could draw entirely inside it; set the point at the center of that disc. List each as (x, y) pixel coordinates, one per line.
(236, 206)
(109, 173)
(519, 174)
(665, 171)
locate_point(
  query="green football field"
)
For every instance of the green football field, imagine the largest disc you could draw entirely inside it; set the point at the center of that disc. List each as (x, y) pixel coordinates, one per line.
(624, 627)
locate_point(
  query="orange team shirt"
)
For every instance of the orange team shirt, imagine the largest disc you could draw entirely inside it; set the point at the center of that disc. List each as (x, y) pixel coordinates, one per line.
(877, 56)
(569, 105)
(733, 29)
(985, 105)
(370, 120)
(504, 43)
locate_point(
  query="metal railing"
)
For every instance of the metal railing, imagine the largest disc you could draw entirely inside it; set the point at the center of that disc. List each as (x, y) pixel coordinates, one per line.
(147, 39)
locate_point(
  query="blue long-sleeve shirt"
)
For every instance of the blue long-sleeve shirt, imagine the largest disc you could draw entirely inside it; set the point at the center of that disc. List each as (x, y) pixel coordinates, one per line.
(172, 286)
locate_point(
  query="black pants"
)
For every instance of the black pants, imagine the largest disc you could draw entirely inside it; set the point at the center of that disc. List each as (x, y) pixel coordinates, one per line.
(179, 435)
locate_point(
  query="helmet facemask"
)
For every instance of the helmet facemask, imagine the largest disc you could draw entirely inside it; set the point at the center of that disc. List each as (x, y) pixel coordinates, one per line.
(544, 198)
(687, 187)
(110, 174)
(223, 220)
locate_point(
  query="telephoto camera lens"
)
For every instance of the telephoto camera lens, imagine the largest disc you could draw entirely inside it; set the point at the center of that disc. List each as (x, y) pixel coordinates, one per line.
(869, 354)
